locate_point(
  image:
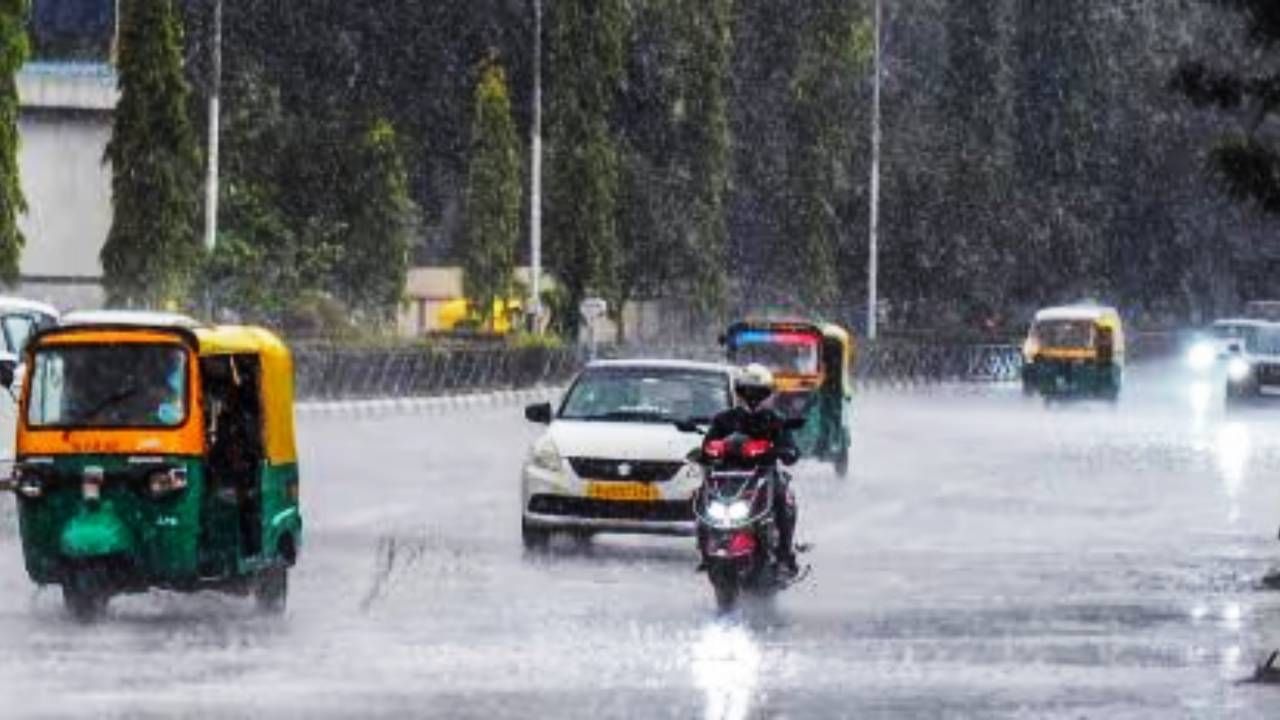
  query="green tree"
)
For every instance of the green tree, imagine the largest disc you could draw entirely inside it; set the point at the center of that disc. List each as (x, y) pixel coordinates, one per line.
(835, 47)
(492, 224)
(1247, 161)
(373, 259)
(587, 51)
(14, 48)
(152, 248)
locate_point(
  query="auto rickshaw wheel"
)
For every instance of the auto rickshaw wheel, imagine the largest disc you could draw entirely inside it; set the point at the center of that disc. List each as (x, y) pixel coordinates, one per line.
(272, 590)
(86, 592)
(842, 463)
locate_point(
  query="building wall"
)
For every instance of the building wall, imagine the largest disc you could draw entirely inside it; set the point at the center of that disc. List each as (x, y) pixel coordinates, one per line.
(64, 126)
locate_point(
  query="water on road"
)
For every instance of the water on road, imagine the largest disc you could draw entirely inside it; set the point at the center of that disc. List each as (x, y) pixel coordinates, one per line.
(987, 558)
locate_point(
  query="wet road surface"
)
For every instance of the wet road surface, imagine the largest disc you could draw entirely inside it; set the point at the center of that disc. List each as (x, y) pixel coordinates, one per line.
(988, 558)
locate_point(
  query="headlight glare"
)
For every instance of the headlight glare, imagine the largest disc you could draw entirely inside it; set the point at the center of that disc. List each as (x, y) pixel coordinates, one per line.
(1201, 356)
(1238, 370)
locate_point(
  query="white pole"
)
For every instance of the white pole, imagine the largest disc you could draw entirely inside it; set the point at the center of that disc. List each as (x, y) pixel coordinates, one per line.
(211, 180)
(873, 259)
(535, 175)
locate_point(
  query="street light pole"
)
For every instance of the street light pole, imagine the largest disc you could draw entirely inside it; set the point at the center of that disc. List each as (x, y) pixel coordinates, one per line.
(535, 175)
(873, 251)
(211, 179)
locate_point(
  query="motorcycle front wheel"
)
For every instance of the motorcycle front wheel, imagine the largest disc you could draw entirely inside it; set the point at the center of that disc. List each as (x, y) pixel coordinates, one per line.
(724, 580)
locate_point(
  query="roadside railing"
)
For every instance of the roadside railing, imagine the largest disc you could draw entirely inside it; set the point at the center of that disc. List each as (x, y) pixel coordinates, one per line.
(337, 373)
(343, 373)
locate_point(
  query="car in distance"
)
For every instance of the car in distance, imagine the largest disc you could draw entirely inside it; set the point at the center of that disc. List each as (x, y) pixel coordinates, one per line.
(612, 459)
(1251, 353)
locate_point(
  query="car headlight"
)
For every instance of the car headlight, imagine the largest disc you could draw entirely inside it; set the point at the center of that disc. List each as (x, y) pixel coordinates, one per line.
(545, 455)
(1201, 356)
(1237, 369)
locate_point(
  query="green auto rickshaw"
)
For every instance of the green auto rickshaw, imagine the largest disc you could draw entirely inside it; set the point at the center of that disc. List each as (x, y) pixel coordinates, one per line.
(155, 452)
(812, 367)
(1074, 352)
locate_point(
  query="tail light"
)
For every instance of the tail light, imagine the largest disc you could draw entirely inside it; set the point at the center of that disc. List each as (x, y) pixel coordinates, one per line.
(752, 449)
(714, 448)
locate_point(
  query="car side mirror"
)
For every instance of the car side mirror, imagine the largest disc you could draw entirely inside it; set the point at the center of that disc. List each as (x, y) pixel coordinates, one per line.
(793, 423)
(538, 413)
(687, 426)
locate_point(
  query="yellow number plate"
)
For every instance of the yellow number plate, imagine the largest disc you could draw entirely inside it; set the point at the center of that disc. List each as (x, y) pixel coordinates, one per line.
(625, 491)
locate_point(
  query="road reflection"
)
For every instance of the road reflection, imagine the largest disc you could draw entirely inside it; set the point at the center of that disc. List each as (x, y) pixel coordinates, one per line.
(726, 667)
(1232, 449)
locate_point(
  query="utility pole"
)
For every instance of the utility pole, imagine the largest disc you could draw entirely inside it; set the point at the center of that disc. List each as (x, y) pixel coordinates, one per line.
(535, 176)
(873, 251)
(211, 179)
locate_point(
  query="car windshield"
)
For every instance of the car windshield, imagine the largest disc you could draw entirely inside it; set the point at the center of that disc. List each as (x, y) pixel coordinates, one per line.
(1067, 334)
(109, 386)
(787, 353)
(646, 395)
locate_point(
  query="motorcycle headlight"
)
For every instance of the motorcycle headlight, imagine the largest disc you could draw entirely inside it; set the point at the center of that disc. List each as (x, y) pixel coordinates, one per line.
(545, 455)
(718, 511)
(1238, 369)
(739, 511)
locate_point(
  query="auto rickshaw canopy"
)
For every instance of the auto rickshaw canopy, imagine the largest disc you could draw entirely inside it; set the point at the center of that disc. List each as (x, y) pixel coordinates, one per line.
(276, 383)
(835, 354)
(121, 328)
(1099, 316)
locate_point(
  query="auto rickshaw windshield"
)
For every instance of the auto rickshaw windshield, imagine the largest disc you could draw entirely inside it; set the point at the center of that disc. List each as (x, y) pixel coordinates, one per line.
(1067, 334)
(790, 353)
(109, 386)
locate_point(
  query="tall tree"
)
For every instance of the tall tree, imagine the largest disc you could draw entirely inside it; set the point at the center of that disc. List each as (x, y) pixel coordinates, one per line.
(372, 264)
(1247, 160)
(587, 52)
(152, 247)
(14, 49)
(493, 195)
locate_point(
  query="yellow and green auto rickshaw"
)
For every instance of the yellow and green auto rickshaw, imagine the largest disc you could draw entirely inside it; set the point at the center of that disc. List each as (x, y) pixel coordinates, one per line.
(812, 367)
(155, 452)
(1074, 352)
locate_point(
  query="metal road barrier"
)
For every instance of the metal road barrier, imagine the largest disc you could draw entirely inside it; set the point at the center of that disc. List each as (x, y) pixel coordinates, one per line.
(337, 373)
(346, 373)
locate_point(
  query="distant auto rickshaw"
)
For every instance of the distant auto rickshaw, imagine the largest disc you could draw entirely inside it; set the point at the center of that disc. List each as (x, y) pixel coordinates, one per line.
(812, 366)
(155, 452)
(1074, 352)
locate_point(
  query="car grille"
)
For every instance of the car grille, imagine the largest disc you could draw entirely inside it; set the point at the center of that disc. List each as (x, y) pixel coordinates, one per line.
(1269, 374)
(624, 470)
(660, 511)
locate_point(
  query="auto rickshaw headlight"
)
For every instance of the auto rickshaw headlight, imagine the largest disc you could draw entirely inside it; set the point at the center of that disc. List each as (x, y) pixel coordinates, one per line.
(29, 486)
(163, 482)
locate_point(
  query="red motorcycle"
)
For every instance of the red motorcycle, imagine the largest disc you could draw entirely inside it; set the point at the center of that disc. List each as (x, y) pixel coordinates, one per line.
(734, 509)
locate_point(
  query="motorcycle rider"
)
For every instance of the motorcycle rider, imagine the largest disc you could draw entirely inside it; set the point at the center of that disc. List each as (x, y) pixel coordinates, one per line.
(753, 386)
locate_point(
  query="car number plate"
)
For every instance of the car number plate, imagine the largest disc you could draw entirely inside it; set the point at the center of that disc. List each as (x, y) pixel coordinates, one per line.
(624, 491)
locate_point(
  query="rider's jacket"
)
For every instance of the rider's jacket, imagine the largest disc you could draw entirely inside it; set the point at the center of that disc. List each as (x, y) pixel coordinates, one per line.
(762, 423)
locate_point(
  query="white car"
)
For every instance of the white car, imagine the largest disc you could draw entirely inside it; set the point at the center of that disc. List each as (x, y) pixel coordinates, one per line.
(612, 459)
